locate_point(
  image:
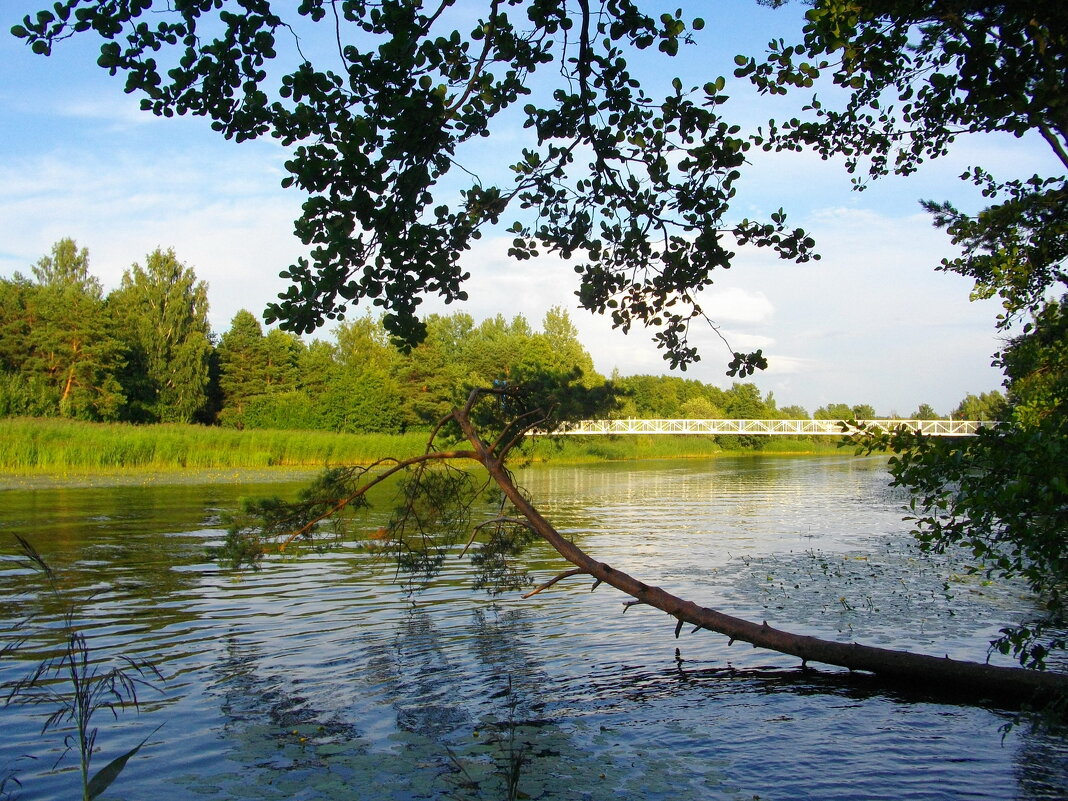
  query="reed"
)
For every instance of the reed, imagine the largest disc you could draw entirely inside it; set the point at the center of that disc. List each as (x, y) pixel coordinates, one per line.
(48, 445)
(622, 448)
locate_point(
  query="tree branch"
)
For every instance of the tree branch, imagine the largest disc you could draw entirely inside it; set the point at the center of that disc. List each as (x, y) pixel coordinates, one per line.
(925, 672)
(477, 71)
(1054, 142)
(575, 571)
(402, 464)
(515, 521)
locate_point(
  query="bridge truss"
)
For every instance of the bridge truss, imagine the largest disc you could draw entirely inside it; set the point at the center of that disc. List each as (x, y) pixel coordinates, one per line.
(824, 428)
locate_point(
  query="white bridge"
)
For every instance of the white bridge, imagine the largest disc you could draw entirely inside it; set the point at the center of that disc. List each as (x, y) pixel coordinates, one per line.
(819, 428)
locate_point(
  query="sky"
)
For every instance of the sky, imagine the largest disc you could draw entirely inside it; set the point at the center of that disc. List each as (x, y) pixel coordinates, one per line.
(871, 322)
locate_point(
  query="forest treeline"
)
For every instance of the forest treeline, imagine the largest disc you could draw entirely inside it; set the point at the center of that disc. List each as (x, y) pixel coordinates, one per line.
(144, 353)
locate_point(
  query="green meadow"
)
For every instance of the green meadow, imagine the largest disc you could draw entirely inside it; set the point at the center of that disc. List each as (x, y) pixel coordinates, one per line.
(50, 445)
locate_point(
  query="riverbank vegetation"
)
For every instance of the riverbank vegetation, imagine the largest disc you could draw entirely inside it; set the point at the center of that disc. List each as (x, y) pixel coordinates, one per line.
(30, 445)
(143, 354)
(56, 446)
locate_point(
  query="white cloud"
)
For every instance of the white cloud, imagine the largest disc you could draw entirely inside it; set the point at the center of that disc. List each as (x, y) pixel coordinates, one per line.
(229, 221)
(737, 305)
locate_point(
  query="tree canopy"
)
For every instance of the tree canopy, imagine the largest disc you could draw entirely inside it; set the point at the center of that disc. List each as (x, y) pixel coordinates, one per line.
(917, 76)
(633, 188)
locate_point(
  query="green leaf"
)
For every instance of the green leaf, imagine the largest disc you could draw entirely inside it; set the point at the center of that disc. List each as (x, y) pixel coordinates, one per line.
(110, 772)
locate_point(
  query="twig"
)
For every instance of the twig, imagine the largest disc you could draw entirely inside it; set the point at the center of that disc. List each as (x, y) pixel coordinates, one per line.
(397, 467)
(566, 574)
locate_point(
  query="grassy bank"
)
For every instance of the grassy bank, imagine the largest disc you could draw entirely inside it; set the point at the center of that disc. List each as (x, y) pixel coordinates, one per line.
(35, 446)
(622, 448)
(57, 446)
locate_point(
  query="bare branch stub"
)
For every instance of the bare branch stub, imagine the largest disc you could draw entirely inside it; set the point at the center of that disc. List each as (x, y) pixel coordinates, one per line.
(558, 577)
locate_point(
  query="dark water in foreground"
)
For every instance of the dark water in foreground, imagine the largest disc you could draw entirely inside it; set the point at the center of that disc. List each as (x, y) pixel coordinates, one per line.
(317, 678)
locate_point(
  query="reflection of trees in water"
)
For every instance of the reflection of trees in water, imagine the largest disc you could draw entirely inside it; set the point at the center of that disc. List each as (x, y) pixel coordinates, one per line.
(250, 697)
(121, 545)
(416, 676)
(278, 743)
(500, 643)
(436, 691)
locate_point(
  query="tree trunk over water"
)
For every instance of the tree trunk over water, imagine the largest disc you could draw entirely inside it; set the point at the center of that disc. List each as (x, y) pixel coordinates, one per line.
(938, 675)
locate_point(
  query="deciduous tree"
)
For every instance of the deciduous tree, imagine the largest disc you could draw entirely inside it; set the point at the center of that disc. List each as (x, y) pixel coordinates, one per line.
(162, 310)
(634, 188)
(984, 406)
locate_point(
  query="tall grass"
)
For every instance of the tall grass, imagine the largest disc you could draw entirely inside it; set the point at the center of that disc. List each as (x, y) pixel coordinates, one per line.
(621, 448)
(48, 445)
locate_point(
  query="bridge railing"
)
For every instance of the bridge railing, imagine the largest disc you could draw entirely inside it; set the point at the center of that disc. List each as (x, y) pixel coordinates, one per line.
(934, 428)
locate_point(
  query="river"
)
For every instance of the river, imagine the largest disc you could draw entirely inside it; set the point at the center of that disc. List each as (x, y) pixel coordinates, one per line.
(318, 677)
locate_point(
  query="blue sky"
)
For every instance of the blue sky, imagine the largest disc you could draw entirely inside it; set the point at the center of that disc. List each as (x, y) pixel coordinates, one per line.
(871, 322)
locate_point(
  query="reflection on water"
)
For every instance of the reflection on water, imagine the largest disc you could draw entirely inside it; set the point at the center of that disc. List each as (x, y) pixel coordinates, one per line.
(317, 678)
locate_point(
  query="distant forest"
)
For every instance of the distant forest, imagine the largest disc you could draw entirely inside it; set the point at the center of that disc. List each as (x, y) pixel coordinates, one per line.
(144, 353)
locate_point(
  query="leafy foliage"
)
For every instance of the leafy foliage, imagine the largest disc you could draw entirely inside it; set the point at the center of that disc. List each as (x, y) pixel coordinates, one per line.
(164, 311)
(60, 353)
(384, 129)
(917, 75)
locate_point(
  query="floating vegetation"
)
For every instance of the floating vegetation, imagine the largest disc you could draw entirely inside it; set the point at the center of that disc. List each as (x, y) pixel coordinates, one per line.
(890, 595)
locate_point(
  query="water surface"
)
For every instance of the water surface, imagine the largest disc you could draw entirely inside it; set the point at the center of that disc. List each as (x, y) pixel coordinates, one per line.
(317, 677)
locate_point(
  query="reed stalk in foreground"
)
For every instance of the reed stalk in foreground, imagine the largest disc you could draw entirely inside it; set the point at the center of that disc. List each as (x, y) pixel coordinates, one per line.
(76, 687)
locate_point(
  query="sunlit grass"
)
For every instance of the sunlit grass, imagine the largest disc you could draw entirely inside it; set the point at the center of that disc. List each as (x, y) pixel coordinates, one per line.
(575, 449)
(49, 445)
(30, 445)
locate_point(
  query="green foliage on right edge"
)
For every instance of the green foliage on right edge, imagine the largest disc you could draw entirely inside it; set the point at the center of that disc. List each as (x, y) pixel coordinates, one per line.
(1004, 494)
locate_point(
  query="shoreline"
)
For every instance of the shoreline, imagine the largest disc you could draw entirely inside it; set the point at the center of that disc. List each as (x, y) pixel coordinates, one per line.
(40, 452)
(193, 476)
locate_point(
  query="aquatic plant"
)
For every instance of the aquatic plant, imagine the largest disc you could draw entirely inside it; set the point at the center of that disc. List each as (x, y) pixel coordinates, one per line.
(75, 687)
